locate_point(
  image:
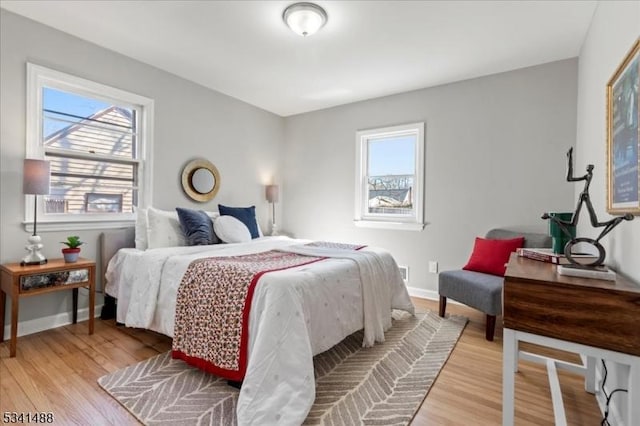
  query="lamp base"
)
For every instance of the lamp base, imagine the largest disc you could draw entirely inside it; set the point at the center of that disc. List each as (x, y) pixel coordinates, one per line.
(274, 230)
(34, 257)
(31, 263)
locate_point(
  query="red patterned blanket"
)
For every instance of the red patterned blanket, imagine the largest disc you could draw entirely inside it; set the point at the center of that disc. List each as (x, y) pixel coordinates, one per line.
(213, 305)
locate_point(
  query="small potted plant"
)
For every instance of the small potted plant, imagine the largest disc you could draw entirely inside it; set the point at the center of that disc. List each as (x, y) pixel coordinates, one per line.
(72, 251)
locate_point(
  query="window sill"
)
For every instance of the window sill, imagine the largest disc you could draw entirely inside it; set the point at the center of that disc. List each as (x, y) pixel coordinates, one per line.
(379, 224)
(75, 225)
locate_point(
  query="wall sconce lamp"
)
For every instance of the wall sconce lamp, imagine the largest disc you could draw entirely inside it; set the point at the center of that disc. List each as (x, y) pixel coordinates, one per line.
(36, 182)
(272, 193)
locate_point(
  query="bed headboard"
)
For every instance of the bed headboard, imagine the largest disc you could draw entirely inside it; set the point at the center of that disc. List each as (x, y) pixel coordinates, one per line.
(110, 242)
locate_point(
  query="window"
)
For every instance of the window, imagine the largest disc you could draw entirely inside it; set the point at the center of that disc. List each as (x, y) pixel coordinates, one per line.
(98, 141)
(389, 177)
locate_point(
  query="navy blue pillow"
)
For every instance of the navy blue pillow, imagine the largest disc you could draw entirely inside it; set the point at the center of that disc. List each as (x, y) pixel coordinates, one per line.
(246, 215)
(197, 227)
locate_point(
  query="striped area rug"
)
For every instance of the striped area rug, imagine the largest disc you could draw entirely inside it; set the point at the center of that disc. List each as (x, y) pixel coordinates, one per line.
(382, 385)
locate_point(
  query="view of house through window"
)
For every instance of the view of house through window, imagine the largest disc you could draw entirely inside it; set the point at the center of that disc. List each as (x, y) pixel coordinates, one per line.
(91, 145)
(391, 174)
(99, 142)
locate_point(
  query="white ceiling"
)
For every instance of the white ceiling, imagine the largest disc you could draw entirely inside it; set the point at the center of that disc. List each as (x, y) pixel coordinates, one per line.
(367, 49)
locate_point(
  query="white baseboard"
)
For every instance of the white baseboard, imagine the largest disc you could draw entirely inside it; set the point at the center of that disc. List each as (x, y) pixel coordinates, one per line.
(45, 323)
(422, 293)
(428, 294)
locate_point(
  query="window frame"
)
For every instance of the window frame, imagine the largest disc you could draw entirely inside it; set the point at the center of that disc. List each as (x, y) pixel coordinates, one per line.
(39, 77)
(363, 218)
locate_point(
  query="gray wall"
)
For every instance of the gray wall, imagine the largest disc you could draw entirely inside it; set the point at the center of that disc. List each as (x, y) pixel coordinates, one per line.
(603, 50)
(244, 142)
(495, 156)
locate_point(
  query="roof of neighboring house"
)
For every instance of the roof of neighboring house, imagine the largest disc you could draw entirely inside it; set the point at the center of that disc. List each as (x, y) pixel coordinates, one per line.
(397, 194)
(106, 132)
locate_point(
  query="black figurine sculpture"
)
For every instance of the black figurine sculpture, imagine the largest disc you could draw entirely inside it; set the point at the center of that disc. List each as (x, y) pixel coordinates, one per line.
(585, 199)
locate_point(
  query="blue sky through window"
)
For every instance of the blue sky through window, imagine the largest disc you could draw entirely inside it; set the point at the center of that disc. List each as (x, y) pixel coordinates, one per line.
(392, 155)
(68, 103)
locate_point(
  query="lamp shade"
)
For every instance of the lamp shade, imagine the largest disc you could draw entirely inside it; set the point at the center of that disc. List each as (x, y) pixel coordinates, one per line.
(272, 193)
(37, 177)
(304, 18)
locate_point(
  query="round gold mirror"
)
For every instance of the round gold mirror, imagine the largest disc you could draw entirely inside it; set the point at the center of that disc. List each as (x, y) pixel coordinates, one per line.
(200, 180)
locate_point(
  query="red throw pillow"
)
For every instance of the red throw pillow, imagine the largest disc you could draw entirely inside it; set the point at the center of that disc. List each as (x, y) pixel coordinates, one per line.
(491, 256)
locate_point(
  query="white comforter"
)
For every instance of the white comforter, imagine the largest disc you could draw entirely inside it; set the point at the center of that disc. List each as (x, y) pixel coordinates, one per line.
(296, 313)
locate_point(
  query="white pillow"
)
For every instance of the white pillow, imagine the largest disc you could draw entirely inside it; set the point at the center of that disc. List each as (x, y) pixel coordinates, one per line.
(163, 229)
(214, 215)
(231, 230)
(141, 228)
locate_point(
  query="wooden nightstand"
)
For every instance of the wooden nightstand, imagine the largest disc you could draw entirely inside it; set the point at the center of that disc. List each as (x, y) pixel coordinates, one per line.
(20, 281)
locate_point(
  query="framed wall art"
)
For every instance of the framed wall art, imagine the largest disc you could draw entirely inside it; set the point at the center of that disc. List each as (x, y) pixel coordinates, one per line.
(623, 137)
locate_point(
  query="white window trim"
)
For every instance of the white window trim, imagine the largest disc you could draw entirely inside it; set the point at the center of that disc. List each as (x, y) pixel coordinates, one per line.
(39, 76)
(408, 223)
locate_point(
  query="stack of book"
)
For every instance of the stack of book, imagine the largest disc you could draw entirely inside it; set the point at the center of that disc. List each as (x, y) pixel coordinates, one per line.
(595, 272)
(547, 255)
(567, 268)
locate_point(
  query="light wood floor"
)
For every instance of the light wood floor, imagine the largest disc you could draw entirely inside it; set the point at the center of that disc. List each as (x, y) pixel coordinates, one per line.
(56, 371)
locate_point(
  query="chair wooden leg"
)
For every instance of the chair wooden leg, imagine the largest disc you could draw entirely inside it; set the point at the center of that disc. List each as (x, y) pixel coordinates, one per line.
(491, 327)
(443, 305)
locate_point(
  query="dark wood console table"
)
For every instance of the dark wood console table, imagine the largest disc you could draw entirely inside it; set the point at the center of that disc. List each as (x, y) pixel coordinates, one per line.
(593, 318)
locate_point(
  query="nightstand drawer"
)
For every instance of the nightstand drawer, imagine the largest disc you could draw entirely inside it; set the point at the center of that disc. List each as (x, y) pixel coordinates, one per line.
(60, 278)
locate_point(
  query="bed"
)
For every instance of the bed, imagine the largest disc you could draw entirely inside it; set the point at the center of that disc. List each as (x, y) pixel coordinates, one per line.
(296, 313)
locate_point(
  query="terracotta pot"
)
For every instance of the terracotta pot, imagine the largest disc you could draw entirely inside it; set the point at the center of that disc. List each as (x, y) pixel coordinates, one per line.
(71, 254)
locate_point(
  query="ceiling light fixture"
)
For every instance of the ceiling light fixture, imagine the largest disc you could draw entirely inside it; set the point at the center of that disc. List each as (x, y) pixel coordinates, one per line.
(304, 18)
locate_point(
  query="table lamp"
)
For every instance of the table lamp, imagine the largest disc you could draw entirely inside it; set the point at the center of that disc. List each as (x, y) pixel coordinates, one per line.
(36, 182)
(272, 193)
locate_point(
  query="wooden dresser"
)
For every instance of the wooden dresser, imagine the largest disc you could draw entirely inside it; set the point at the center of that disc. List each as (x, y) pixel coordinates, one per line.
(594, 318)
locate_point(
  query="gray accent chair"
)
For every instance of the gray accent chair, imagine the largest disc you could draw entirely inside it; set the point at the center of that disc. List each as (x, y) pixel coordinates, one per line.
(483, 291)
